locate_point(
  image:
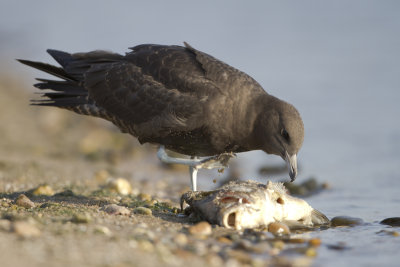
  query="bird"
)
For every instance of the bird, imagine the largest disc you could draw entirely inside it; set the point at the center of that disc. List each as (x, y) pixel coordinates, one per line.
(177, 97)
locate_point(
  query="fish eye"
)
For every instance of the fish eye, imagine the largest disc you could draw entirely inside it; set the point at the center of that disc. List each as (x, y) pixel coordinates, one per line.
(285, 134)
(280, 201)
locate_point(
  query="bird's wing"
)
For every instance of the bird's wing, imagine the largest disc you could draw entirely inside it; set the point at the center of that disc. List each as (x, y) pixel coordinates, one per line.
(146, 106)
(173, 66)
(225, 76)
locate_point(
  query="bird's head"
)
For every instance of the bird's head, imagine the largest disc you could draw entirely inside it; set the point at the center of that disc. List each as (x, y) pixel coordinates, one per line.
(281, 132)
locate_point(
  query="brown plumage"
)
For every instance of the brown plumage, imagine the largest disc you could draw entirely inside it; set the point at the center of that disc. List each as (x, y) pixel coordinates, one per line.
(175, 96)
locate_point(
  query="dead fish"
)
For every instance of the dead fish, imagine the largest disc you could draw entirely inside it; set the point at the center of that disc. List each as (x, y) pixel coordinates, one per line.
(251, 204)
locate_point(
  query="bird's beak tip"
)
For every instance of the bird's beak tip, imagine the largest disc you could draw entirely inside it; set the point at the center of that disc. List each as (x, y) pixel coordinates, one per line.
(292, 164)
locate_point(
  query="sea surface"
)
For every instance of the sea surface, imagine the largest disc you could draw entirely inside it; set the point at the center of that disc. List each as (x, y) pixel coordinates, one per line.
(337, 62)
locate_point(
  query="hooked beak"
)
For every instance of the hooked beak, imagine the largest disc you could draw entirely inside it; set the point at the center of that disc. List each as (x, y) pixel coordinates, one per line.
(292, 163)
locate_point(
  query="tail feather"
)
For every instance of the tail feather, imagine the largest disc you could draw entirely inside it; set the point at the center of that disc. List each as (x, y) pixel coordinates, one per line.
(50, 69)
(70, 92)
(63, 58)
(60, 86)
(61, 101)
(67, 93)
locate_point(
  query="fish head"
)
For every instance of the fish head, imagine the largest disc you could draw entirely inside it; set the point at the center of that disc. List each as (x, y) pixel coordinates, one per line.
(286, 207)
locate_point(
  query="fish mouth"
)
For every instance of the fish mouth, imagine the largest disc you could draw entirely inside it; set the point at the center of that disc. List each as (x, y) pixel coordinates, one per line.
(239, 217)
(232, 214)
(229, 219)
(292, 164)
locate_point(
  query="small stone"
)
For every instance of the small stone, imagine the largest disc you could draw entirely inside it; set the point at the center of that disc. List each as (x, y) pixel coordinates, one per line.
(278, 229)
(43, 190)
(120, 186)
(5, 225)
(183, 254)
(278, 244)
(65, 193)
(338, 246)
(144, 197)
(143, 211)
(393, 221)
(201, 229)
(296, 241)
(115, 209)
(101, 176)
(81, 218)
(181, 239)
(224, 240)
(24, 201)
(146, 245)
(214, 260)
(310, 252)
(261, 247)
(240, 256)
(386, 232)
(314, 242)
(346, 221)
(102, 230)
(243, 244)
(25, 229)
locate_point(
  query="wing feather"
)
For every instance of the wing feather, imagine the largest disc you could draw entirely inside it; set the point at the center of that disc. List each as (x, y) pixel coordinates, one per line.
(225, 76)
(139, 100)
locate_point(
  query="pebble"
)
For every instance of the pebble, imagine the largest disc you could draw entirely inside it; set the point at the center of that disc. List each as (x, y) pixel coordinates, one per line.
(278, 229)
(43, 190)
(143, 211)
(25, 229)
(120, 186)
(310, 252)
(296, 241)
(102, 230)
(101, 176)
(5, 225)
(65, 193)
(338, 246)
(200, 229)
(24, 201)
(278, 244)
(224, 240)
(144, 197)
(392, 233)
(115, 209)
(314, 242)
(346, 221)
(81, 218)
(146, 245)
(181, 239)
(182, 253)
(261, 247)
(394, 221)
(238, 255)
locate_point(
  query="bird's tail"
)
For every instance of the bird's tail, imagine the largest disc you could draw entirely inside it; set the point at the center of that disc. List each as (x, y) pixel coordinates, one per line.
(68, 92)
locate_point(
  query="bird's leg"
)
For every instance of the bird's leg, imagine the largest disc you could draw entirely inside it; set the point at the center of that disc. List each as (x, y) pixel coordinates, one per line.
(219, 161)
(193, 175)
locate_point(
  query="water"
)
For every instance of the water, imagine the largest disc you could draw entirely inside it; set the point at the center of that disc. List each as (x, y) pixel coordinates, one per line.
(337, 62)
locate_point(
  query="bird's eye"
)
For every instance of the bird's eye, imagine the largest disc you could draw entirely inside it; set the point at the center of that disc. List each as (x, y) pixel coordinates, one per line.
(285, 134)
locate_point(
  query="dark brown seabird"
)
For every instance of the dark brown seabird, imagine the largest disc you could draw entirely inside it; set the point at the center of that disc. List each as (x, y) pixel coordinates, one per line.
(179, 97)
